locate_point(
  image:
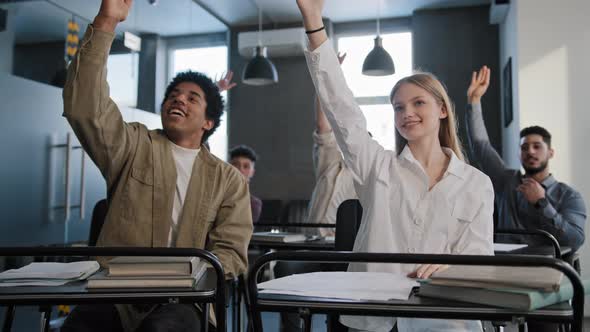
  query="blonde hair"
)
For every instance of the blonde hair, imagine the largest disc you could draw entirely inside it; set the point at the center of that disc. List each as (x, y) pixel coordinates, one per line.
(447, 133)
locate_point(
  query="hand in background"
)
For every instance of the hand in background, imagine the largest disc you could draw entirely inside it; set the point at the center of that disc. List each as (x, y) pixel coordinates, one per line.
(225, 83)
(480, 82)
(532, 190)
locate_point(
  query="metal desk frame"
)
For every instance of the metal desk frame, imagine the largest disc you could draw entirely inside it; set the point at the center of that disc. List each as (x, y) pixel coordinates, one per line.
(76, 292)
(414, 307)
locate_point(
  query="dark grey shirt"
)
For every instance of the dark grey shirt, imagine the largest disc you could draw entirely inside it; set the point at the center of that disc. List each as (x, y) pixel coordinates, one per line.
(564, 216)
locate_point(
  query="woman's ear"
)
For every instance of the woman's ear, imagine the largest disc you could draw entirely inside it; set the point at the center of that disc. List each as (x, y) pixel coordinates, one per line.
(443, 112)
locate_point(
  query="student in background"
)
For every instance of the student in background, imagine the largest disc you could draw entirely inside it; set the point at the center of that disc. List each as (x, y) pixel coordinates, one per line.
(164, 188)
(244, 159)
(422, 198)
(533, 200)
(334, 183)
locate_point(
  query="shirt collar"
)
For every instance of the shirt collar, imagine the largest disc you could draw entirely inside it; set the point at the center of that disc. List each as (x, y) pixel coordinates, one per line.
(455, 164)
(547, 182)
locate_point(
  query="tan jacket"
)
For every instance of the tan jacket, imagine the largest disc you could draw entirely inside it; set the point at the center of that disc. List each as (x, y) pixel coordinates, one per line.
(141, 175)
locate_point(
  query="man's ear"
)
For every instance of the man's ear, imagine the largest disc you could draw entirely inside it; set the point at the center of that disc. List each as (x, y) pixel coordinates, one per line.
(551, 153)
(208, 124)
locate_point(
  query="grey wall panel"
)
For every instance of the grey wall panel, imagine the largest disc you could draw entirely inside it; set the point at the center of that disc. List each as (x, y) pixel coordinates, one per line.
(451, 43)
(277, 121)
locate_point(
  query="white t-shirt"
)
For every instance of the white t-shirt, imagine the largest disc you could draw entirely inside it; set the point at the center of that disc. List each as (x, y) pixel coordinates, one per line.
(184, 159)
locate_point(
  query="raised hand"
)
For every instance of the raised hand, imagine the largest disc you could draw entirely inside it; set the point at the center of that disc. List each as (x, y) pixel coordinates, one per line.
(310, 7)
(480, 82)
(111, 12)
(225, 83)
(311, 11)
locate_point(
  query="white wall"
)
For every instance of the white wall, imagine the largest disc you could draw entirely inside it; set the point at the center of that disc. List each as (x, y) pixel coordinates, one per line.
(509, 50)
(7, 44)
(554, 50)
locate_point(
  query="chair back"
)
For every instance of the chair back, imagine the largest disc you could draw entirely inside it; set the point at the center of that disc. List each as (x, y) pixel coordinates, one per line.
(99, 214)
(348, 221)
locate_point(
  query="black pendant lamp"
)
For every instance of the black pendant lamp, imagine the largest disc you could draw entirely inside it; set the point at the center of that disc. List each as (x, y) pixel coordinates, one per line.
(378, 62)
(260, 70)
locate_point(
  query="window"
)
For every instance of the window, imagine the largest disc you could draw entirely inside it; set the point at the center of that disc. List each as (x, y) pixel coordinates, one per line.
(122, 71)
(371, 92)
(211, 61)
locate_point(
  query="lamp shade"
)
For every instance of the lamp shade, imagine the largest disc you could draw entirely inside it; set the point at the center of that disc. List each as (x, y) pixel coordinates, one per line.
(378, 62)
(260, 70)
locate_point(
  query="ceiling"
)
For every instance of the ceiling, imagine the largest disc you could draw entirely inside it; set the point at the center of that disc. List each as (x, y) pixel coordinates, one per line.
(45, 20)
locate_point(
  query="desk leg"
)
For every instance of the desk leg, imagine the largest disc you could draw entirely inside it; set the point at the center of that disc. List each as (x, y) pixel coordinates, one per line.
(237, 307)
(305, 316)
(45, 318)
(8, 318)
(205, 318)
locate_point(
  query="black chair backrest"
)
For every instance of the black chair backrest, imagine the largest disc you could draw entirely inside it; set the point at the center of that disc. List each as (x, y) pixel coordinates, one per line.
(348, 221)
(99, 214)
(271, 211)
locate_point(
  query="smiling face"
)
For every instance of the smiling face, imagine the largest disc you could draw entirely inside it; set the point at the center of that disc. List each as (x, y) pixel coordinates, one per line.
(183, 113)
(417, 112)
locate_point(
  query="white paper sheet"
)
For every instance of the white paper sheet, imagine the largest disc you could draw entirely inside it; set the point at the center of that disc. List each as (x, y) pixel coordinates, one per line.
(378, 286)
(505, 247)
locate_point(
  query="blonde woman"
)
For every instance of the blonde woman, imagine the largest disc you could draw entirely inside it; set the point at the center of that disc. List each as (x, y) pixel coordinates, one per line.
(422, 198)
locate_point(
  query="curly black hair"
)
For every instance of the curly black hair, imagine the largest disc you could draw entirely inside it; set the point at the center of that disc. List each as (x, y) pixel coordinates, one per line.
(243, 151)
(213, 97)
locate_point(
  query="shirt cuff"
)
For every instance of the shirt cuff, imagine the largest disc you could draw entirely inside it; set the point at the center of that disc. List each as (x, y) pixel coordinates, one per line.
(475, 107)
(548, 212)
(313, 57)
(327, 138)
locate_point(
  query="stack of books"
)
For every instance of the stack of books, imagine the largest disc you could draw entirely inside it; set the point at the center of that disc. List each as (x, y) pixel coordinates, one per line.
(48, 274)
(285, 237)
(149, 272)
(523, 288)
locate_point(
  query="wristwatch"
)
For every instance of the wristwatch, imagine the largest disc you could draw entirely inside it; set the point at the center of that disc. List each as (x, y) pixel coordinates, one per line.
(541, 203)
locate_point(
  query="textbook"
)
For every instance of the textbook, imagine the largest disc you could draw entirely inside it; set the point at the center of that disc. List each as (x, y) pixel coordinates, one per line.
(506, 297)
(279, 237)
(153, 266)
(540, 278)
(103, 279)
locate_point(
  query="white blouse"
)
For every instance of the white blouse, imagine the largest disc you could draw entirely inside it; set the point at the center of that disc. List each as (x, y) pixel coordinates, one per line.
(400, 214)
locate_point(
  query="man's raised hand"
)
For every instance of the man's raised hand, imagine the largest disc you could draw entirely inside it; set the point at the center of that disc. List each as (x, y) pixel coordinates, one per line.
(111, 12)
(480, 82)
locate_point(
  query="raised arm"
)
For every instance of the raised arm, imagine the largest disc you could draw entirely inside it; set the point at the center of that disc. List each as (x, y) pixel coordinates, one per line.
(94, 117)
(360, 152)
(486, 156)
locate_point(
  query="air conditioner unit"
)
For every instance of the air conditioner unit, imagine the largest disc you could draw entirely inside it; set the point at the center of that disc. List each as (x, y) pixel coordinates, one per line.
(280, 43)
(498, 11)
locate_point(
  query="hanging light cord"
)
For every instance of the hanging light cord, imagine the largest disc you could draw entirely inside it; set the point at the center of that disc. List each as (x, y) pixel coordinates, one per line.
(378, 17)
(259, 25)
